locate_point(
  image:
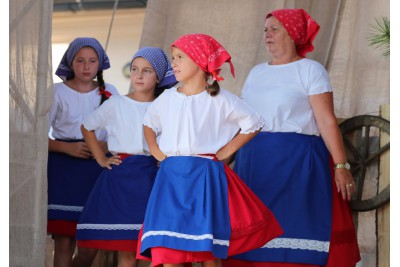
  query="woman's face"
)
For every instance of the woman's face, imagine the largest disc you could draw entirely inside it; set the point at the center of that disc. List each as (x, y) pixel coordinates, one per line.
(85, 64)
(143, 75)
(276, 37)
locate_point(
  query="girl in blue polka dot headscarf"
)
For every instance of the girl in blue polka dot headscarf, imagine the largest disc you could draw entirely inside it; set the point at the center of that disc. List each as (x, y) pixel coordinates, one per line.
(65, 71)
(114, 211)
(71, 169)
(157, 58)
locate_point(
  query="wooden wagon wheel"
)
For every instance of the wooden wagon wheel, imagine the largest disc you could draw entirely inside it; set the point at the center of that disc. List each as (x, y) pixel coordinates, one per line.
(358, 133)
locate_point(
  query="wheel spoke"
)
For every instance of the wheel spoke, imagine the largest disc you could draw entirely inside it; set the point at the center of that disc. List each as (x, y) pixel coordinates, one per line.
(358, 132)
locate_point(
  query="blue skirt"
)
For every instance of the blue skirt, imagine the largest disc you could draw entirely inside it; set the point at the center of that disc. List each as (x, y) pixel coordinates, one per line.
(290, 173)
(188, 207)
(70, 181)
(116, 206)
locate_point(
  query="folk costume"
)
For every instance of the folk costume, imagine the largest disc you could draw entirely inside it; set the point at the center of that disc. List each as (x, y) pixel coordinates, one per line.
(199, 209)
(70, 179)
(114, 212)
(288, 165)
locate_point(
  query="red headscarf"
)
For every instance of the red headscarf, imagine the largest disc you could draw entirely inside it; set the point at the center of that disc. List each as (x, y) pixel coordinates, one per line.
(206, 52)
(300, 26)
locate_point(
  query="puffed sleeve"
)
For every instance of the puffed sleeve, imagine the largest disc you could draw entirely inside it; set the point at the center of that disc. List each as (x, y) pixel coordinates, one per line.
(152, 117)
(245, 116)
(101, 117)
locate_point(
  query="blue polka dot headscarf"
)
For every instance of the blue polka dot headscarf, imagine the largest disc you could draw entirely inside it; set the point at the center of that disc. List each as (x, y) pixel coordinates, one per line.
(64, 70)
(157, 58)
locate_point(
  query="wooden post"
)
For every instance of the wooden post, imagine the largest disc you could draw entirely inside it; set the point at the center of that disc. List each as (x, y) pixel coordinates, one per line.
(383, 213)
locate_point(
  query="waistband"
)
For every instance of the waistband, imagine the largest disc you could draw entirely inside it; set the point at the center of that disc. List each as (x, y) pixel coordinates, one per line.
(206, 156)
(124, 155)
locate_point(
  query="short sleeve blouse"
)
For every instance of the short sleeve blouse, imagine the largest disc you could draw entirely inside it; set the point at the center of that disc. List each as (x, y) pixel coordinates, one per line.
(70, 107)
(199, 124)
(122, 118)
(280, 94)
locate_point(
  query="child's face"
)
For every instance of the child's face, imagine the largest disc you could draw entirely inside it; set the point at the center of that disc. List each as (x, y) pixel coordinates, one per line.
(85, 64)
(143, 76)
(184, 67)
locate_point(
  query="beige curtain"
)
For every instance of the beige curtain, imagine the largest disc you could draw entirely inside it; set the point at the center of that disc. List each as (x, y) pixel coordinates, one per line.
(358, 72)
(29, 100)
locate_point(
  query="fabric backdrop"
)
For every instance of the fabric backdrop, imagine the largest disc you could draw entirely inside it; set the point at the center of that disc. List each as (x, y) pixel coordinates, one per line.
(29, 100)
(358, 72)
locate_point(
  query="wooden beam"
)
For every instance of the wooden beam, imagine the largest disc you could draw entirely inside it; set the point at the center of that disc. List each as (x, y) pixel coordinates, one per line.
(383, 213)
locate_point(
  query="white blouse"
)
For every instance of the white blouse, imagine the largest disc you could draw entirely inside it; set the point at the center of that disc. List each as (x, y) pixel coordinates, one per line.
(280, 94)
(199, 124)
(70, 107)
(122, 118)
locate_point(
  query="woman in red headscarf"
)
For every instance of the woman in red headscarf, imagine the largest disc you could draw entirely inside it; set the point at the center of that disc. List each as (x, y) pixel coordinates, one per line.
(199, 210)
(297, 165)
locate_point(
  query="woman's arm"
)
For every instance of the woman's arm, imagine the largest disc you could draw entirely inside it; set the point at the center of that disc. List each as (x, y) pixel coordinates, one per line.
(97, 150)
(151, 140)
(322, 105)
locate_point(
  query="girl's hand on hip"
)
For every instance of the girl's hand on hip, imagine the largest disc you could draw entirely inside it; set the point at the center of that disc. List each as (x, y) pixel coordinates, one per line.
(107, 162)
(79, 150)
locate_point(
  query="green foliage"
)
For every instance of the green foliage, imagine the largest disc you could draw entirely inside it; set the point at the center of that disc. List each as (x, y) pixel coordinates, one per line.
(379, 35)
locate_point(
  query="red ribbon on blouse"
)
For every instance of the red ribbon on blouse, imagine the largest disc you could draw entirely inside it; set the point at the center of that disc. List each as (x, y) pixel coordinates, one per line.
(104, 92)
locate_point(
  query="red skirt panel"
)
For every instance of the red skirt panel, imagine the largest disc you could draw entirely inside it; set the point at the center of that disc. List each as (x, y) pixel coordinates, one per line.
(60, 227)
(242, 263)
(252, 223)
(252, 226)
(343, 249)
(173, 256)
(162, 255)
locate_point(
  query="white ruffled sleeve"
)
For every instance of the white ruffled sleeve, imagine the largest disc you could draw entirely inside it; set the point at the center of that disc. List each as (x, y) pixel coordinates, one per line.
(100, 118)
(152, 118)
(246, 117)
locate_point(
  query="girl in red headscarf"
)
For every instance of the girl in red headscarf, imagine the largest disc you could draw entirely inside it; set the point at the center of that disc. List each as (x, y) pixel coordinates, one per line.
(289, 164)
(199, 210)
